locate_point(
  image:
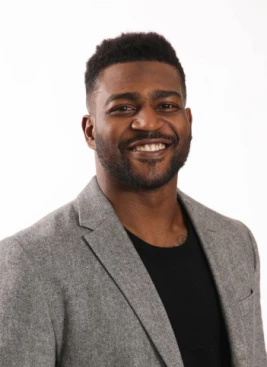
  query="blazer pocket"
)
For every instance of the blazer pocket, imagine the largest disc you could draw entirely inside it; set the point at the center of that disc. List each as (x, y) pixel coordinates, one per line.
(246, 304)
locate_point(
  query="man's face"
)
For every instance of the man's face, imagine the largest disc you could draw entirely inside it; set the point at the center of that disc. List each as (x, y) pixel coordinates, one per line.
(140, 128)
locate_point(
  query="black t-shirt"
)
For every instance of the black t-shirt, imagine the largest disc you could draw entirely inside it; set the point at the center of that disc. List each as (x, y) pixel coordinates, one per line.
(185, 285)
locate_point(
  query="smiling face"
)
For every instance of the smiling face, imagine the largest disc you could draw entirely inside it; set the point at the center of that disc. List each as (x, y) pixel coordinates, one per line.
(139, 126)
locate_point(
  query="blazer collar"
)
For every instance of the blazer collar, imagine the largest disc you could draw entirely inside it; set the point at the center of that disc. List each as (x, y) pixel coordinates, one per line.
(94, 208)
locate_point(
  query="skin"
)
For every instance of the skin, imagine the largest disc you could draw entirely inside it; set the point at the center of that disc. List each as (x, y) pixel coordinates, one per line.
(154, 214)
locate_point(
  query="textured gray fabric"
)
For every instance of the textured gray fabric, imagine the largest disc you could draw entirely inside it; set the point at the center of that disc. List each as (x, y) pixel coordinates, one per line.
(74, 292)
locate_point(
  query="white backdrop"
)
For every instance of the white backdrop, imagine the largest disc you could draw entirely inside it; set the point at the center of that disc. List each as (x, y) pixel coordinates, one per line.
(44, 46)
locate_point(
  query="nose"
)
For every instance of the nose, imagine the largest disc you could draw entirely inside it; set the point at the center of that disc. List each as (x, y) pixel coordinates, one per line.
(147, 119)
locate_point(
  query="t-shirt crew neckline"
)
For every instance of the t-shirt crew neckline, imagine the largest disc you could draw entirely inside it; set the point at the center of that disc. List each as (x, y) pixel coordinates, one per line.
(147, 247)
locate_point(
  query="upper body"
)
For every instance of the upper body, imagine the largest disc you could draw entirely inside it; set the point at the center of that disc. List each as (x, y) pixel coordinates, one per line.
(74, 291)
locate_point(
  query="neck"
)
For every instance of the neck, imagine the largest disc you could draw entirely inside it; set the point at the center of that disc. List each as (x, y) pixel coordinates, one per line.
(141, 211)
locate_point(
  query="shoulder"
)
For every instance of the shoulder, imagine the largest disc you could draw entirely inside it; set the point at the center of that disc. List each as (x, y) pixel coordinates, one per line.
(40, 240)
(212, 218)
(59, 235)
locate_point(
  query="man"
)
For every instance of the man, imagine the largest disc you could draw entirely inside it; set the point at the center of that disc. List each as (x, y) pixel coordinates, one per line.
(132, 272)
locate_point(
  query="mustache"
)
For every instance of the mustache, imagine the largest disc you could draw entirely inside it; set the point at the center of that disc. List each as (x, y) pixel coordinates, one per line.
(174, 139)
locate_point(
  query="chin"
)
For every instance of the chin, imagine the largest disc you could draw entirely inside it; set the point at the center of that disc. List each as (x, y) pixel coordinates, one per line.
(148, 182)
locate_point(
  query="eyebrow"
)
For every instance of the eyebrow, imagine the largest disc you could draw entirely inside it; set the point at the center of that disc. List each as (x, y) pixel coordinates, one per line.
(157, 94)
(134, 96)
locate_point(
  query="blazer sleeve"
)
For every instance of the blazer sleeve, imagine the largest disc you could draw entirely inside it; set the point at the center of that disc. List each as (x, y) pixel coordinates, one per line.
(26, 333)
(260, 351)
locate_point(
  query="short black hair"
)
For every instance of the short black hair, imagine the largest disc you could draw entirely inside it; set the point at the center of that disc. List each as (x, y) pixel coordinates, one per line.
(129, 47)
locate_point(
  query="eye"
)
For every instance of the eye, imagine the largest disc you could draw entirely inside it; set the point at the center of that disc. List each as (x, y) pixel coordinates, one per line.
(121, 109)
(168, 106)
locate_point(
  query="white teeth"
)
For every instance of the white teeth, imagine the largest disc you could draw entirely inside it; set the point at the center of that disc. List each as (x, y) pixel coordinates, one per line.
(150, 147)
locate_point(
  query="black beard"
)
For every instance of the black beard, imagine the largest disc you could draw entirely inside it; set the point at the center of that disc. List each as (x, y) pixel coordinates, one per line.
(122, 169)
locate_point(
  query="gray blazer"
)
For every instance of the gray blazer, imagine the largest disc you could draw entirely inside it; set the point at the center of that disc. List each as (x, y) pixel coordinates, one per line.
(74, 292)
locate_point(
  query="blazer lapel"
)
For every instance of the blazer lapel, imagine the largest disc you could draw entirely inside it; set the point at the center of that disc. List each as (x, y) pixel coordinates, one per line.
(215, 245)
(112, 246)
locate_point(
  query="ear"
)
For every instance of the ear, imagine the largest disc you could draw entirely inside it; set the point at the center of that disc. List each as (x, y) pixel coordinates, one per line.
(88, 126)
(189, 116)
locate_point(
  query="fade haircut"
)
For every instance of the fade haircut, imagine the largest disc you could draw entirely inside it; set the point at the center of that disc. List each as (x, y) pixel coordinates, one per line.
(129, 47)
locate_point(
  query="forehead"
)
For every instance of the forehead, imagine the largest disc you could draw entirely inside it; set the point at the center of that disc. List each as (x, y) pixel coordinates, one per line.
(142, 77)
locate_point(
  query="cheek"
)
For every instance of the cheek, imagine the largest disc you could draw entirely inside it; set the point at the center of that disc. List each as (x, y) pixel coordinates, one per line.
(184, 126)
(181, 128)
(113, 135)
(107, 141)
(107, 128)
(102, 130)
